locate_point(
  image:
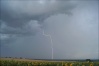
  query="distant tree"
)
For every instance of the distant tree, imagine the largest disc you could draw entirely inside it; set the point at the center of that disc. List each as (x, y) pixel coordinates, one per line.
(15, 57)
(9, 57)
(88, 60)
(20, 57)
(6, 57)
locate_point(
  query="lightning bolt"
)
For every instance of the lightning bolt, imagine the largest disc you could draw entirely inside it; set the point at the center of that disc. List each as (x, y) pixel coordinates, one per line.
(51, 42)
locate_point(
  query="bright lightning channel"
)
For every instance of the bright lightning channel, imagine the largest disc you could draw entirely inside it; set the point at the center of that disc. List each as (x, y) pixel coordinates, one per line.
(51, 41)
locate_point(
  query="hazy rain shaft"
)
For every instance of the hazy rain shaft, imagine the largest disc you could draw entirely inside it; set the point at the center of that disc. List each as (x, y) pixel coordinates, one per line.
(72, 25)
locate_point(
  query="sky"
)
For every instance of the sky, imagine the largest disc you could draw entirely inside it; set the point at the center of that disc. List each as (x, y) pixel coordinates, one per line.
(71, 24)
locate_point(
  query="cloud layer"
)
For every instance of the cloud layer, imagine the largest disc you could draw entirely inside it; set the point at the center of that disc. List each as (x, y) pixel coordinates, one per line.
(73, 26)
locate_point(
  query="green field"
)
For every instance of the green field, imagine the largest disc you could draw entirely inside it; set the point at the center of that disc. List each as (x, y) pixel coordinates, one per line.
(25, 62)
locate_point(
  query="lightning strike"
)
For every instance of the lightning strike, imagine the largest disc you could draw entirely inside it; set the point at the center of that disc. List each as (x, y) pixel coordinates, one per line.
(51, 41)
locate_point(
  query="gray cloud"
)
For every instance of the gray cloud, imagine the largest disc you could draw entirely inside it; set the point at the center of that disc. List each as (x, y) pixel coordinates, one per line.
(70, 40)
(75, 36)
(18, 13)
(23, 18)
(29, 28)
(73, 26)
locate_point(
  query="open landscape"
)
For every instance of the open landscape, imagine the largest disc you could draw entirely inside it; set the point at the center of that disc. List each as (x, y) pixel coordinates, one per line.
(28, 62)
(49, 33)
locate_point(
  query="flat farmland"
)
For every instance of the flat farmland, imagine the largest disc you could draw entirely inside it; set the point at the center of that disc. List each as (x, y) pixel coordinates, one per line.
(29, 62)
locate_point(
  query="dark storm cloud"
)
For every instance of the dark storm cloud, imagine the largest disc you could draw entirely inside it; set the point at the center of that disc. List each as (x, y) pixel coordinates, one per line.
(17, 13)
(28, 29)
(25, 18)
(73, 26)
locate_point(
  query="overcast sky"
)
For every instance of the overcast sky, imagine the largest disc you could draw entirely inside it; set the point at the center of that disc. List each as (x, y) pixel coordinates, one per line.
(72, 24)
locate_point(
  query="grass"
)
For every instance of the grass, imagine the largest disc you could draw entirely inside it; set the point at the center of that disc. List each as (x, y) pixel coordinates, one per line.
(26, 62)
